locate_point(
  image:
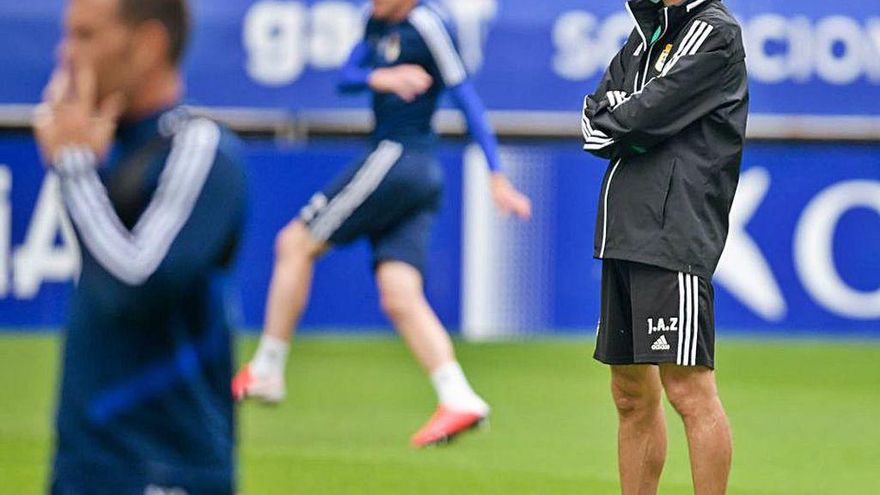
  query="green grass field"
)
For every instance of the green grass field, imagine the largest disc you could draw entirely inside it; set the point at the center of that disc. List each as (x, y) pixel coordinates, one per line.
(805, 417)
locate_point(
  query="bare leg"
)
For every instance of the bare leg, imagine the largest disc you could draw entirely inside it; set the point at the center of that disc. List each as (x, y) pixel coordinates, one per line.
(642, 434)
(403, 301)
(295, 255)
(693, 393)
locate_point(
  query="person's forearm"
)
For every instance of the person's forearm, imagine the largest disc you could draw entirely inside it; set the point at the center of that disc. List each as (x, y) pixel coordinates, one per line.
(478, 124)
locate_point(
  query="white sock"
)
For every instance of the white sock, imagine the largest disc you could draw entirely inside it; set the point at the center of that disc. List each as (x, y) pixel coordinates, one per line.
(454, 391)
(271, 356)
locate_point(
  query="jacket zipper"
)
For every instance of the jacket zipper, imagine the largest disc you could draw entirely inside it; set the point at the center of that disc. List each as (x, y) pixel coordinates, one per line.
(617, 165)
(650, 46)
(620, 160)
(647, 68)
(605, 208)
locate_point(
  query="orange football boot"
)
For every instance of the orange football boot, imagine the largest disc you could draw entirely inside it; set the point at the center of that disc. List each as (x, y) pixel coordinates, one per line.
(445, 424)
(268, 389)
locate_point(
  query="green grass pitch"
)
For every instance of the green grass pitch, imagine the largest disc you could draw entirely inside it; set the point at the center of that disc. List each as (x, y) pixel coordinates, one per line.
(805, 417)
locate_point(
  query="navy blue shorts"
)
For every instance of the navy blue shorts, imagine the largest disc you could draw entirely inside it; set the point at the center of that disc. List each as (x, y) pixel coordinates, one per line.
(390, 197)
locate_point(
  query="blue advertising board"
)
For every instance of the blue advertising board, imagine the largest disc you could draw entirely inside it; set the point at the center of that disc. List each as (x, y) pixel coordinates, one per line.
(805, 56)
(801, 256)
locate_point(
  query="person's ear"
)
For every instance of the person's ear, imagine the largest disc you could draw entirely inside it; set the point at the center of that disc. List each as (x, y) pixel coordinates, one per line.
(151, 45)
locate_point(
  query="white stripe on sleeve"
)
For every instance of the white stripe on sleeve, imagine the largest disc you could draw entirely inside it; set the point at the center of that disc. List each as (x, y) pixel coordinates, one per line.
(691, 44)
(590, 130)
(430, 27)
(702, 40)
(134, 256)
(681, 47)
(612, 97)
(584, 129)
(594, 139)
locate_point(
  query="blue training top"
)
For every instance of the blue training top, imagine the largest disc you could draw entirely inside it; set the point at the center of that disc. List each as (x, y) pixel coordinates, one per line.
(426, 39)
(145, 402)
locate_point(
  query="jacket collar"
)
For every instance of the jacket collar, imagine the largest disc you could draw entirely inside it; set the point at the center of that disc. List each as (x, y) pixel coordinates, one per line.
(653, 20)
(132, 134)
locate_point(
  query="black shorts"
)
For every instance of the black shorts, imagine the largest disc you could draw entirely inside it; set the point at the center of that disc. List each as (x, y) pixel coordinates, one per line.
(652, 315)
(390, 197)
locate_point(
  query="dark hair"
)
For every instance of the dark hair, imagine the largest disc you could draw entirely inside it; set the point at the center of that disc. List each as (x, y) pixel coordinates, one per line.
(172, 14)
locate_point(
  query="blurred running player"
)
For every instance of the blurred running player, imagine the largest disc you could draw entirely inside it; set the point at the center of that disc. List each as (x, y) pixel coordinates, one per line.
(407, 59)
(157, 198)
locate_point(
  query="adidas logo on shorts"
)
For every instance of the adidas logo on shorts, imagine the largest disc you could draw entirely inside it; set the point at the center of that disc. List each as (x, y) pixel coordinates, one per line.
(660, 344)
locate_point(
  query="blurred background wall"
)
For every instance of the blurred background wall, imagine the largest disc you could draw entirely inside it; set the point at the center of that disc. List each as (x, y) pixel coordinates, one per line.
(805, 233)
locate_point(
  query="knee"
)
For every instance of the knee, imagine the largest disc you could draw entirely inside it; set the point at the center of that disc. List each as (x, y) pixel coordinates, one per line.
(400, 289)
(634, 398)
(688, 398)
(396, 302)
(292, 241)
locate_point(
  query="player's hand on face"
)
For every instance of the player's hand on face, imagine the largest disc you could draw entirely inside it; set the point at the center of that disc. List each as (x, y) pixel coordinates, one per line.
(407, 81)
(70, 115)
(508, 199)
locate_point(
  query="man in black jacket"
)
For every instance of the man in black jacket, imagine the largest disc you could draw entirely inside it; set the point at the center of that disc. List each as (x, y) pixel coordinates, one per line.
(670, 114)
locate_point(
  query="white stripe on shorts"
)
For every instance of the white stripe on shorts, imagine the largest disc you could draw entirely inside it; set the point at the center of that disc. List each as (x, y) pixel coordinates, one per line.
(688, 319)
(678, 359)
(356, 192)
(696, 286)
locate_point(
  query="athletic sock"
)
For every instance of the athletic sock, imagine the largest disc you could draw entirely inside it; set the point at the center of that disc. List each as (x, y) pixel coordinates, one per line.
(271, 356)
(454, 391)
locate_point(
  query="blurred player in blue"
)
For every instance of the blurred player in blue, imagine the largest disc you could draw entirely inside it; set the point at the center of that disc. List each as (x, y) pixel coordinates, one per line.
(157, 199)
(407, 60)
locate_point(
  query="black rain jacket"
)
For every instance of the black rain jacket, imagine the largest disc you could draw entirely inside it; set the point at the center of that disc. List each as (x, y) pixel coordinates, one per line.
(670, 114)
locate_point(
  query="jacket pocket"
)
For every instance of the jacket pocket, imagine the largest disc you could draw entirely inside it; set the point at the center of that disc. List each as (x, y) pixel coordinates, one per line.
(667, 194)
(645, 187)
(602, 223)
